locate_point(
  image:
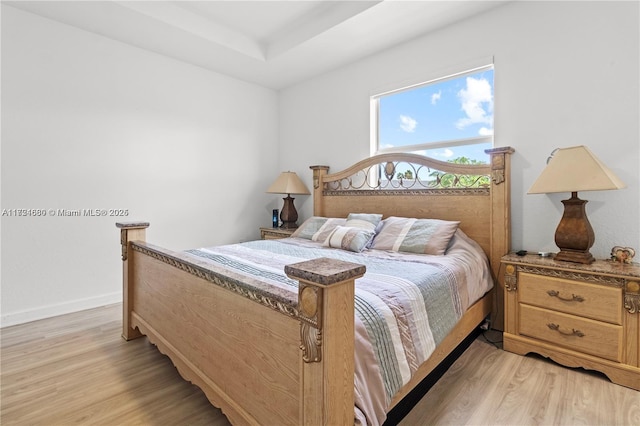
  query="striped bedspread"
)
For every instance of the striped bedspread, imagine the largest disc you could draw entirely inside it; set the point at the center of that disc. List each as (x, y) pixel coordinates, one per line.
(405, 304)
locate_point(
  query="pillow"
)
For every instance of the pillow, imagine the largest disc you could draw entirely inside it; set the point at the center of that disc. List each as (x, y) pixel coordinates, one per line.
(347, 238)
(368, 221)
(428, 236)
(317, 228)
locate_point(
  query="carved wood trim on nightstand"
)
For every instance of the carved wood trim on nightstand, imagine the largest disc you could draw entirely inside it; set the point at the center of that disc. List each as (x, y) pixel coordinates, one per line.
(571, 275)
(632, 297)
(510, 278)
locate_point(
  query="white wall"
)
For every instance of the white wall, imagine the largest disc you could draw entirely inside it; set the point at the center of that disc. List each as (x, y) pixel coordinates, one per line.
(90, 123)
(566, 73)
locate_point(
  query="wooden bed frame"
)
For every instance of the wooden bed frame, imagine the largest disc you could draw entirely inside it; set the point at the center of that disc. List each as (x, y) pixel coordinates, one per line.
(264, 361)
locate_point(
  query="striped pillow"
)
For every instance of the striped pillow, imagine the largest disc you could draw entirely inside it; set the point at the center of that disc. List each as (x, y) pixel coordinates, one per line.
(428, 236)
(317, 228)
(368, 221)
(347, 238)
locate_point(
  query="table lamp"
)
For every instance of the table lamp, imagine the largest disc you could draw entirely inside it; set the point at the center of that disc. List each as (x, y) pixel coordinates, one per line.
(288, 183)
(571, 170)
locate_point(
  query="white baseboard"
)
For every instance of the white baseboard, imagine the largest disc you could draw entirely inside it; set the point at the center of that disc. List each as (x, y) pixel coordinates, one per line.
(49, 311)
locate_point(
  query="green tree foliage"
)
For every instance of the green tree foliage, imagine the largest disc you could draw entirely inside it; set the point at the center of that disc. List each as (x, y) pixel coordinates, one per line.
(464, 181)
(406, 175)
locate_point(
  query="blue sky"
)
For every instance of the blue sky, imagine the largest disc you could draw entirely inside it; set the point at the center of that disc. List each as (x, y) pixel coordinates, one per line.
(453, 109)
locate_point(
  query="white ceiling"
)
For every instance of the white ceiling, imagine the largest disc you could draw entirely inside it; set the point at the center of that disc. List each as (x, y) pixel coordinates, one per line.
(271, 43)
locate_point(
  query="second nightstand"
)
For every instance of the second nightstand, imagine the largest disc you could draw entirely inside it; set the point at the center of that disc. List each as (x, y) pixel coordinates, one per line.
(275, 233)
(578, 315)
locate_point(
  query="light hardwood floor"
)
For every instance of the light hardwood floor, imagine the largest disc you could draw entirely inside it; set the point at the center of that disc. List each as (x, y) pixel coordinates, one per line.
(76, 369)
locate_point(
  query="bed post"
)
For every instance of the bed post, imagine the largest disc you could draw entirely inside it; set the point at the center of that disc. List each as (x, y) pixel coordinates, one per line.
(326, 311)
(129, 231)
(500, 223)
(318, 173)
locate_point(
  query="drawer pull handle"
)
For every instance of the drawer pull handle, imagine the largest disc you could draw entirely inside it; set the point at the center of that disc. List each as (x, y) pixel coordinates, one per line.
(573, 331)
(573, 298)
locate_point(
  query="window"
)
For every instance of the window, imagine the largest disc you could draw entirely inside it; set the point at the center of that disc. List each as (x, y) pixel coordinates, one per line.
(450, 119)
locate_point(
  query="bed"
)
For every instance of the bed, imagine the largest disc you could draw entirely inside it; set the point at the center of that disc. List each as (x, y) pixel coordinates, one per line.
(277, 332)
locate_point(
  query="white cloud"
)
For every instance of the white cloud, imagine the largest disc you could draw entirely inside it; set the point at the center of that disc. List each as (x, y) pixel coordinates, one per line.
(485, 131)
(446, 153)
(477, 103)
(408, 124)
(436, 97)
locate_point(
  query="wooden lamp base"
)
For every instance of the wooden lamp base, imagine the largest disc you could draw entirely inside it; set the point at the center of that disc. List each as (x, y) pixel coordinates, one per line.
(288, 215)
(574, 235)
(574, 256)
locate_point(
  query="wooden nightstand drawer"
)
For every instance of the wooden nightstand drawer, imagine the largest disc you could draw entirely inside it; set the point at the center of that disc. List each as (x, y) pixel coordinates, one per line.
(580, 334)
(275, 233)
(573, 297)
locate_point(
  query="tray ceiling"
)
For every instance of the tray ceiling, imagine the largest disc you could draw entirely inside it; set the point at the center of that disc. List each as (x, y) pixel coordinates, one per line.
(271, 43)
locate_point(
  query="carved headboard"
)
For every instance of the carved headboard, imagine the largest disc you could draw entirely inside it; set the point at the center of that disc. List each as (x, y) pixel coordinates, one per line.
(410, 185)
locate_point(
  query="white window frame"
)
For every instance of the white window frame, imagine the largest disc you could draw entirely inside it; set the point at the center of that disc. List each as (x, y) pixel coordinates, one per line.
(375, 114)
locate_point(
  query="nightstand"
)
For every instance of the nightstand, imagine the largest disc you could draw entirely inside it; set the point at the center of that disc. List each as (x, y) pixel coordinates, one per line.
(578, 315)
(276, 233)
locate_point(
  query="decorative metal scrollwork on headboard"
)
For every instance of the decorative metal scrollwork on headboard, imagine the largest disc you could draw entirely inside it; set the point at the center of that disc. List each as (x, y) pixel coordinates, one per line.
(403, 175)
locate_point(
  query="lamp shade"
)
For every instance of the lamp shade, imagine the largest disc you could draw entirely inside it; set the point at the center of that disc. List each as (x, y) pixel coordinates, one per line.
(575, 169)
(288, 183)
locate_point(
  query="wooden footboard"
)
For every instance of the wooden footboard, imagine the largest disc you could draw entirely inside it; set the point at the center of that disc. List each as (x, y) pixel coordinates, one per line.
(260, 360)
